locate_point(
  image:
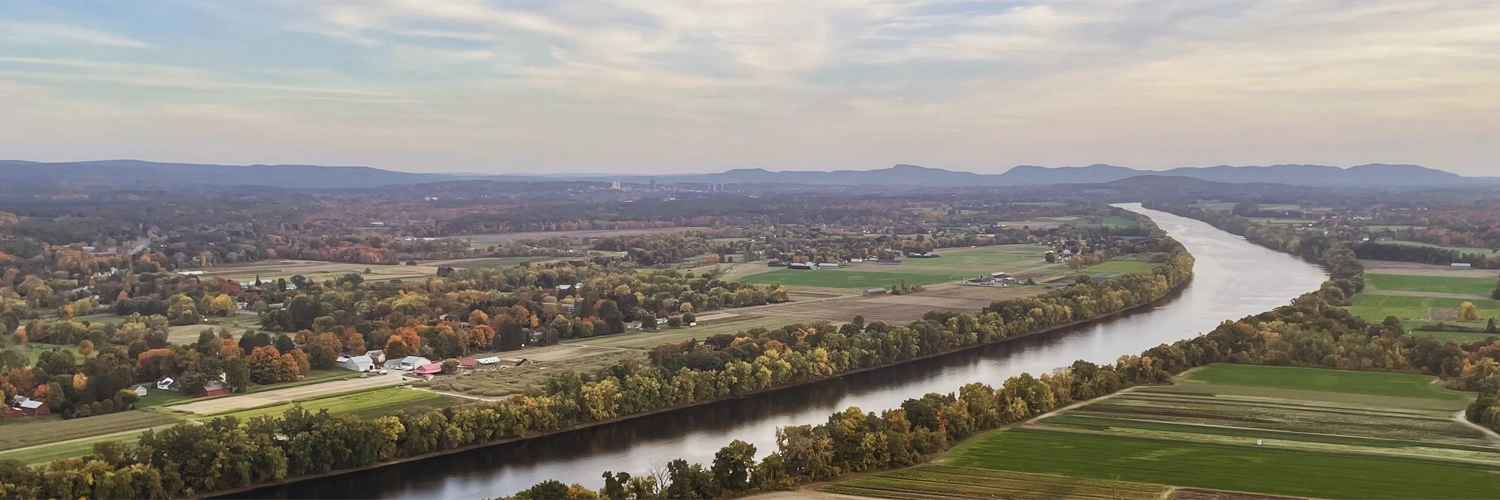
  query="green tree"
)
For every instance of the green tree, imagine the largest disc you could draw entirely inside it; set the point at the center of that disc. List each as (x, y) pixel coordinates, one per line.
(732, 466)
(1468, 312)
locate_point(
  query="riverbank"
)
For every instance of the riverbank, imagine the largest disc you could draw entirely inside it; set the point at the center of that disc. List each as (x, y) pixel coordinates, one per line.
(1172, 295)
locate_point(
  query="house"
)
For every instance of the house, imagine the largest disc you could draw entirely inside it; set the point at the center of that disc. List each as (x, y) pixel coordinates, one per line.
(429, 369)
(167, 384)
(828, 265)
(215, 388)
(358, 363)
(407, 363)
(876, 291)
(139, 390)
(377, 356)
(800, 266)
(1461, 265)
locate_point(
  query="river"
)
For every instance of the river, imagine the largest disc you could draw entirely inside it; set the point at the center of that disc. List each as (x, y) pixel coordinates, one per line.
(1233, 279)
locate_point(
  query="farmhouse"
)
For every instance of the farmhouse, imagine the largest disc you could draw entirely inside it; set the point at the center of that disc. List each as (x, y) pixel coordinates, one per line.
(429, 369)
(167, 384)
(22, 406)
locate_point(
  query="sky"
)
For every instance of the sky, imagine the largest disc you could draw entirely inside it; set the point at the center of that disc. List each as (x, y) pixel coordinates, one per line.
(668, 86)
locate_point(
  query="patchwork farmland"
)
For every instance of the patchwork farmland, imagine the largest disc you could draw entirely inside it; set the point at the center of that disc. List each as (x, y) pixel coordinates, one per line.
(1427, 300)
(1251, 430)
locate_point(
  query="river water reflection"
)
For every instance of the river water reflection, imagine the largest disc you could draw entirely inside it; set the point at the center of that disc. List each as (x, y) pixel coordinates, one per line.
(1233, 278)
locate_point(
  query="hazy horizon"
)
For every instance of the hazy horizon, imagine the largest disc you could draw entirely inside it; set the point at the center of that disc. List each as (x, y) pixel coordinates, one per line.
(683, 86)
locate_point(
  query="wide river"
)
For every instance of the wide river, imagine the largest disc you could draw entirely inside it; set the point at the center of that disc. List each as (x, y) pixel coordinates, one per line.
(1233, 279)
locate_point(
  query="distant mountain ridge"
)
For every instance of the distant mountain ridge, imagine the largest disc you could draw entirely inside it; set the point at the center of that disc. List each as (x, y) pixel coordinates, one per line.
(25, 174)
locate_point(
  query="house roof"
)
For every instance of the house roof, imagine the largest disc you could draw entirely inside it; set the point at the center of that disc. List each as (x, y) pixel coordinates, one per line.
(429, 368)
(31, 404)
(468, 362)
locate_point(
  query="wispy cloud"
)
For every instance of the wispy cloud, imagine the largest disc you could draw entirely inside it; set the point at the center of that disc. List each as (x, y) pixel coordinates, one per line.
(33, 34)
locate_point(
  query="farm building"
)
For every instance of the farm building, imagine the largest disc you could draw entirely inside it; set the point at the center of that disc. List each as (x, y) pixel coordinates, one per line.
(358, 363)
(489, 361)
(429, 369)
(1461, 265)
(167, 384)
(828, 265)
(407, 363)
(999, 275)
(800, 266)
(215, 388)
(22, 406)
(376, 356)
(468, 363)
(876, 291)
(887, 262)
(139, 390)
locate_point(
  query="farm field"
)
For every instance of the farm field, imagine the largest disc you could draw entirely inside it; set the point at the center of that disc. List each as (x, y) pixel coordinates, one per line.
(1119, 267)
(41, 455)
(505, 380)
(282, 393)
(1261, 429)
(498, 262)
(941, 481)
(1223, 466)
(1479, 287)
(368, 404)
(1418, 309)
(484, 240)
(22, 434)
(315, 270)
(1419, 269)
(1009, 258)
(1478, 250)
(1409, 385)
(648, 340)
(855, 280)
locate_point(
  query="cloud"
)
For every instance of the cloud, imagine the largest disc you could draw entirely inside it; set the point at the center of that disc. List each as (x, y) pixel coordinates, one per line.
(32, 34)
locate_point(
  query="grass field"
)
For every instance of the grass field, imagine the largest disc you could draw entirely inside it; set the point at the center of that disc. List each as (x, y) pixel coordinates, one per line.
(941, 481)
(1008, 258)
(1438, 284)
(1460, 337)
(1478, 250)
(42, 455)
(1223, 466)
(1376, 307)
(507, 380)
(1408, 385)
(648, 340)
(32, 433)
(856, 280)
(367, 405)
(503, 262)
(1119, 267)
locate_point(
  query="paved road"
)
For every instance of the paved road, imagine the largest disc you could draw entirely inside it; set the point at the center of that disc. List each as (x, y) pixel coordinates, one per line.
(259, 399)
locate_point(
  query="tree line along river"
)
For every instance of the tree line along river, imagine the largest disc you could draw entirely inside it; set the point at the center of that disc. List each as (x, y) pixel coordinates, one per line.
(1233, 278)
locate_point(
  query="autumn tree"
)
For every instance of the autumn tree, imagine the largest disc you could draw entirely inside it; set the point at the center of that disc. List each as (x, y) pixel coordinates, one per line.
(1468, 312)
(323, 350)
(86, 347)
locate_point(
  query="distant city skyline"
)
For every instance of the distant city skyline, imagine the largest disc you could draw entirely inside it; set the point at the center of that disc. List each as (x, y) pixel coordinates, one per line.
(687, 86)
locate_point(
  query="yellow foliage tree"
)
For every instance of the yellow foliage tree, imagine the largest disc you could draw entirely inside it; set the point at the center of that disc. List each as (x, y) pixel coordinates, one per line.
(1468, 312)
(86, 347)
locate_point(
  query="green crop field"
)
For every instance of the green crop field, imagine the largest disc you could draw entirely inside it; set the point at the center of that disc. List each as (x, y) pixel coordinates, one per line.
(503, 262)
(858, 280)
(1377, 307)
(1460, 337)
(1119, 267)
(1409, 385)
(1009, 258)
(940, 481)
(1439, 284)
(648, 340)
(507, 380)
(23, 433)
(1223, 466)
(41, 455)
(1478, 250)
(363, 404)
